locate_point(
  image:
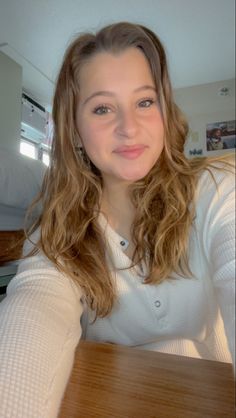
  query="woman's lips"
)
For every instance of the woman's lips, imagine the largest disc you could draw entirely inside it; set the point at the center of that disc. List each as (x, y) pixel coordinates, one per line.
(130, 152)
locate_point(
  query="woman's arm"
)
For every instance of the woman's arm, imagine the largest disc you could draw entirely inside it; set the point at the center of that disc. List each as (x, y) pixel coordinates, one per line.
(39, 331)
(220, 248)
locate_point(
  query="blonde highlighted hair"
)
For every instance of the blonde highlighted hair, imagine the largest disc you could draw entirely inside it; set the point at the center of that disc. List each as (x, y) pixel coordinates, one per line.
(71, 194)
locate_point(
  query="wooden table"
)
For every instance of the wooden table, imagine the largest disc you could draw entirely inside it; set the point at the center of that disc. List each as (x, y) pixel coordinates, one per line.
(110, 381)
(7, 272)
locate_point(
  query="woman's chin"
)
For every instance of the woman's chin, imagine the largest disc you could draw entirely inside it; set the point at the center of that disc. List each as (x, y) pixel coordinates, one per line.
(134, 176)
(126, 176)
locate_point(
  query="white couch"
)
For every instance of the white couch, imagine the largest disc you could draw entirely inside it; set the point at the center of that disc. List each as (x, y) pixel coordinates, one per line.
(20, 181)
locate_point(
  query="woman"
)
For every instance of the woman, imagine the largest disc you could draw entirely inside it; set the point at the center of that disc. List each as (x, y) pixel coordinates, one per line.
(135, 242)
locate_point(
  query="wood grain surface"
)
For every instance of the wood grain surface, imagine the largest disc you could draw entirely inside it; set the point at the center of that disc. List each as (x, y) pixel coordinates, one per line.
(11, 244)
(110, 381)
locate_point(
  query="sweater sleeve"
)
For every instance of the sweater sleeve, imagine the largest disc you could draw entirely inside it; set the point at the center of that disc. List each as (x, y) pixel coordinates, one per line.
(219, 239)
(39, 331)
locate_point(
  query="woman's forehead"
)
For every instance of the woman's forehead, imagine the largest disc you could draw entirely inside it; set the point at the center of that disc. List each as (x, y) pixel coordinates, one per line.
(105, 67)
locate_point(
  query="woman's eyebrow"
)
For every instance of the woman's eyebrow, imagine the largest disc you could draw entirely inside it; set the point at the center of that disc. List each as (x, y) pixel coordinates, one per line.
(108, 93)
(145, 87)
(98, 93)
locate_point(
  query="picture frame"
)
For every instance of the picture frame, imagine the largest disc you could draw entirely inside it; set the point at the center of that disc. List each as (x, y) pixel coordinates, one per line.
(220, 136)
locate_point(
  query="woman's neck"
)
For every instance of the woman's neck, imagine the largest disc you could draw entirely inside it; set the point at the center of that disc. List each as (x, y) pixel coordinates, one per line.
(117, 207)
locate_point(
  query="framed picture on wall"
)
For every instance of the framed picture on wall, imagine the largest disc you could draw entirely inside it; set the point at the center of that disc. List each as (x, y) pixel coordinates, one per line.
(220, 136)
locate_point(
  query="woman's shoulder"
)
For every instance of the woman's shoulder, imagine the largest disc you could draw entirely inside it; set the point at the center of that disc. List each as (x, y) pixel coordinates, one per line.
(218, 174)
(216, 184)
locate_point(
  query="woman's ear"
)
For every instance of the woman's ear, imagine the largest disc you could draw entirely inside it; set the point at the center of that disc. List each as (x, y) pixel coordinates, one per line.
(78, 141)
(84, 157)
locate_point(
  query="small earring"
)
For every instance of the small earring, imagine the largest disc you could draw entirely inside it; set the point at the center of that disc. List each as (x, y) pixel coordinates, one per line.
(83, 156)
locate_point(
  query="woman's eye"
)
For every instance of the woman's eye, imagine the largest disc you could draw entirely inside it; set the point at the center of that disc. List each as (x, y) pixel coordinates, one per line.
(101, 110)
(146, 103)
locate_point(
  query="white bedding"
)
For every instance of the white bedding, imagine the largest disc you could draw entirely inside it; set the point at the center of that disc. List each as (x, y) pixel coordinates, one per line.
(11, 219)
(20, 181)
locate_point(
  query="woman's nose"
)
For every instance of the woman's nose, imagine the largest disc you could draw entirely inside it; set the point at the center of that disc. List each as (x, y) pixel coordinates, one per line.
(127, 125)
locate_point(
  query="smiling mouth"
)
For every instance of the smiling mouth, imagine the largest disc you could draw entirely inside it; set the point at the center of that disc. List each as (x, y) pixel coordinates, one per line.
(130, 152)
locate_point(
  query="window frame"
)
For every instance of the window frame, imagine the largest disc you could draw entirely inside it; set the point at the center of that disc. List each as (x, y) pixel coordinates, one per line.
(40, 149)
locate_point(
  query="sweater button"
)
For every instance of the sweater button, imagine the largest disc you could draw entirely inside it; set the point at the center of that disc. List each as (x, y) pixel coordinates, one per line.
(157, 303)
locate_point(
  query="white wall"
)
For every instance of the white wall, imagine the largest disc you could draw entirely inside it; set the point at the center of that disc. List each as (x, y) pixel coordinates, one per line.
(202, 105)
(10, 103)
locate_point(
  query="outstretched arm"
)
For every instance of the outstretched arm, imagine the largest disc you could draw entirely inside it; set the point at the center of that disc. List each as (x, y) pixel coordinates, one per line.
(39, 331)
(220, 248)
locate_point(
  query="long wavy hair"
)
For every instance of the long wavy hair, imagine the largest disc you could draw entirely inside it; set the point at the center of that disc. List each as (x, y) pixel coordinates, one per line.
(70, 235)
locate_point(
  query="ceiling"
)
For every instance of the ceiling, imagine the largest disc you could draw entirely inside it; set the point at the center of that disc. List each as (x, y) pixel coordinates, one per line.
(198, 36)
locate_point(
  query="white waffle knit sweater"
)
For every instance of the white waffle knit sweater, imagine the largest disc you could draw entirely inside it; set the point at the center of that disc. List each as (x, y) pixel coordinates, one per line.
(43, 315)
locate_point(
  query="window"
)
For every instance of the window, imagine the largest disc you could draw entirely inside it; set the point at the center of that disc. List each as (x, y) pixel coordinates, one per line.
(36, 130)
(29, 149)
(45, 158)
(35, 150)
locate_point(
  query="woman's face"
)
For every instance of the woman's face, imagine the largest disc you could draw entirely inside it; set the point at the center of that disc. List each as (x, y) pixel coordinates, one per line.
(118, 116)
